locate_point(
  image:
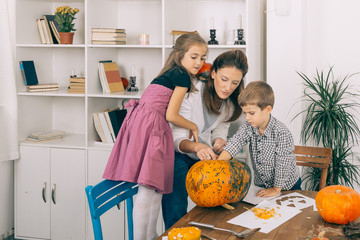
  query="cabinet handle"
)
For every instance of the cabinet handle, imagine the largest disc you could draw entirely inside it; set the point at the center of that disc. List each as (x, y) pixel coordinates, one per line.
(53, 193)
(43, 192)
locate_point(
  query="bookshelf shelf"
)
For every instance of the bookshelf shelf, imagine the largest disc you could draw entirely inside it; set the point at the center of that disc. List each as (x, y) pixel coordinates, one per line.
(73, 113)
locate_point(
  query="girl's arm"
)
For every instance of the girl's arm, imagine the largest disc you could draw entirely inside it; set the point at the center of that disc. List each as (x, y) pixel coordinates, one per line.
(172, 112)
(203, 151)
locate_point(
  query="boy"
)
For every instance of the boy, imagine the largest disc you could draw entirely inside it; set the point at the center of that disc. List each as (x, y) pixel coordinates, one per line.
(271, 145)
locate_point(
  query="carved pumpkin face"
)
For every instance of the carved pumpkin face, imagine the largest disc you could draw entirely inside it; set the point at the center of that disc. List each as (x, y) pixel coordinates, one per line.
(216, 182)
(204, 72)
(338, 204)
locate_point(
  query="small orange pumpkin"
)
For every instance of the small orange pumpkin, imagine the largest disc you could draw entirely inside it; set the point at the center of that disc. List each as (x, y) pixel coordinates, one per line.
(213, 183)
(338, 204)
(204, 72)
(184, 233)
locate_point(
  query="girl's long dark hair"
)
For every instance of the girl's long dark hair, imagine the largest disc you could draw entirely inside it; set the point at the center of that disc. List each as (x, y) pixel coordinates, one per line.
(233, 58)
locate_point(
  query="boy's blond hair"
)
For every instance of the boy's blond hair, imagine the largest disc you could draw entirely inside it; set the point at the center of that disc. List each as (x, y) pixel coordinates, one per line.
(257, 93)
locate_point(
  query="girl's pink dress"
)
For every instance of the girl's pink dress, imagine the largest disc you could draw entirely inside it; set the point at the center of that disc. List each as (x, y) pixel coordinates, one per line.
(144, 148)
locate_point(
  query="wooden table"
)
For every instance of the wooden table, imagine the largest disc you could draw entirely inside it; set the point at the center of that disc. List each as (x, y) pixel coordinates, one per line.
(303, 226)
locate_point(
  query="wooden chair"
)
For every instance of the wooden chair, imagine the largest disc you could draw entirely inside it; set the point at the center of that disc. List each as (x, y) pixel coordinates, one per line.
(318, 157)
(107, 194)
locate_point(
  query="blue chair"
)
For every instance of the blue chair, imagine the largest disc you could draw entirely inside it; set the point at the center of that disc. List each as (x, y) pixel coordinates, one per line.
(107, 194)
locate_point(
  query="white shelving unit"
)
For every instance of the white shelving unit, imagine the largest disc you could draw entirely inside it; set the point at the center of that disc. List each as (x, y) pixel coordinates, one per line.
(73, 112)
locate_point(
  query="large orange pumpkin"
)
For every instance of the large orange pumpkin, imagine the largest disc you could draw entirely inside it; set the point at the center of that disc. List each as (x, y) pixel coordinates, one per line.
(216, 182)
(338, 204)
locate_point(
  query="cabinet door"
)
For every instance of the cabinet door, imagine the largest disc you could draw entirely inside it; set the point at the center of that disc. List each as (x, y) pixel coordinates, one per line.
(67, 194)
(32, 193)
(113, 221)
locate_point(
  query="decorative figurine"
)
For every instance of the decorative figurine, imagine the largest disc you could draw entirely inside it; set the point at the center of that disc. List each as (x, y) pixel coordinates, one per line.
(240, 35)
(133, 87)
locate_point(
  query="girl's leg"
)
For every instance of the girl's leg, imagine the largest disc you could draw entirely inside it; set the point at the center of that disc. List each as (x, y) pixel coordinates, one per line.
(142, 213)
(154, 214)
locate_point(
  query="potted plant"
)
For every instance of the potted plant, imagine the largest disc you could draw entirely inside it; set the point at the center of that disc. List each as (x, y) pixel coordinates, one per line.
(329, 121)
(65, 16)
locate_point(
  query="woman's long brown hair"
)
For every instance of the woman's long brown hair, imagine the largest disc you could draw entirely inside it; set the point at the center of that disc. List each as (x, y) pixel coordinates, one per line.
(233, 58)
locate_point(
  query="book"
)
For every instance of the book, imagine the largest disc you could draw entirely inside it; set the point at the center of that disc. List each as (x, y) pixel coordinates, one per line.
(177, 32)
(108, 42)
(116, 30)
(105, 127)
(117, 117)
(97, 36)
(102, 77)
(113, 78)
(52, 37)
(55, 31)
(74, 90)
(47, 85)
(29, 73)
(110, 126)
(43, 90)
(44, 136)
(47, 37)
(41, 31)
(77, 80)
(98, 128)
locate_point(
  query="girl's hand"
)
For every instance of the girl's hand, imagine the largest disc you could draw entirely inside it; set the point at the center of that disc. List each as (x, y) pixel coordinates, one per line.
(218, 145)
(195, 134)
(204, 152)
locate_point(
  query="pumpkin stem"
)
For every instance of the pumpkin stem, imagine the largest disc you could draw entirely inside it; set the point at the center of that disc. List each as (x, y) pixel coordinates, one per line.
(228, 206)
(338, 191)
(321, 235)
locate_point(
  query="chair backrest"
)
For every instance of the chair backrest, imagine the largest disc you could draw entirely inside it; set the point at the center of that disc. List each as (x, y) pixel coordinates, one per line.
(318, 157)
(107, 194)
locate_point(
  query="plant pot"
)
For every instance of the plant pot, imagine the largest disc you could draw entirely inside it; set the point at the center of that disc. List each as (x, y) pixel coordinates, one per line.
(66, 37)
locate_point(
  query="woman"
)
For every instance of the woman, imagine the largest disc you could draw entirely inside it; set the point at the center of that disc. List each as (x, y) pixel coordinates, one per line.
(212, 108)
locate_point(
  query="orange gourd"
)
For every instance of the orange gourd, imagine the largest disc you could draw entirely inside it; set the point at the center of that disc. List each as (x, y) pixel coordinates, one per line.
(184, 233)
(338, 204)
(204, 72)
(216, 182)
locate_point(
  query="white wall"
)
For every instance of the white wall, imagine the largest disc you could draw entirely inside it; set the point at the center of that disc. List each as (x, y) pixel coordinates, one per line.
(316, 34)
(7, 171)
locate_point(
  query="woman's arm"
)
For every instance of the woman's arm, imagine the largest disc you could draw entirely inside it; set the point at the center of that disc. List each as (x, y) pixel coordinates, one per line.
(173, 116)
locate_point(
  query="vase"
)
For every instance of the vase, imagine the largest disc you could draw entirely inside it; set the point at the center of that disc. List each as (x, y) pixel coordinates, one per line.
(66, 37)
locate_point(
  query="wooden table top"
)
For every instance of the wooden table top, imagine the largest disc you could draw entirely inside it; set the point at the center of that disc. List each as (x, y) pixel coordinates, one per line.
(304, 226)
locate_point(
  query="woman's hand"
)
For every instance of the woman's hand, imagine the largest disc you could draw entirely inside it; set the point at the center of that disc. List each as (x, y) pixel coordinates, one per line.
(218, 145)
(204, 152)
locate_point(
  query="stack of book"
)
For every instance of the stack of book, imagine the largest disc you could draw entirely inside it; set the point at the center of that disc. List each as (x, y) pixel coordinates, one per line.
(109, 75)
(48, 29)
(108, 36)
(50, 87)
(45, 136)
(107, 124)
(31, 81)
(76, 85)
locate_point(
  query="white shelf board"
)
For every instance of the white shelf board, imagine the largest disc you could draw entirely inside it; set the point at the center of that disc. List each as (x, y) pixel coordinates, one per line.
(216, 46)
(121, 94)
(59, 93)
(52, 45)
(69, 141)
(157, 46)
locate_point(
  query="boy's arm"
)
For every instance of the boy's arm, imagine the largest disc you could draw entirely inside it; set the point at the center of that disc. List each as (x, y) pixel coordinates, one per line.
(269, 192)
(285, 159)
(225, 155)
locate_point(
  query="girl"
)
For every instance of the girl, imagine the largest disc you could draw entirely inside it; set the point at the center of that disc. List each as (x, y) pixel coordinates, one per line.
(212, 108)
(144, 149)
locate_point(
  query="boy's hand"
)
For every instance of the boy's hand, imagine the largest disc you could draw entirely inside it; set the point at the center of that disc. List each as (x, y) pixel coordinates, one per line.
(269, 192)
(225, 155)
(218, 145)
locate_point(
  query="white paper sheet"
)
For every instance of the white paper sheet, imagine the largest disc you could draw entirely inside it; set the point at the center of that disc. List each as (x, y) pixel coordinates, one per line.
(294, 200)
(252, 198)
(249, 220)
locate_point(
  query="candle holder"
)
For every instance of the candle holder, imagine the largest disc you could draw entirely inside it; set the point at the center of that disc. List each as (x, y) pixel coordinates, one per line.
(212, 37)
(240, 35)
(133, 87)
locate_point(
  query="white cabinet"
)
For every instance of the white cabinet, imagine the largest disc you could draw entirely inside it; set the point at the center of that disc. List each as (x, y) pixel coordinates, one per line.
(49, 198)
(69, 164)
